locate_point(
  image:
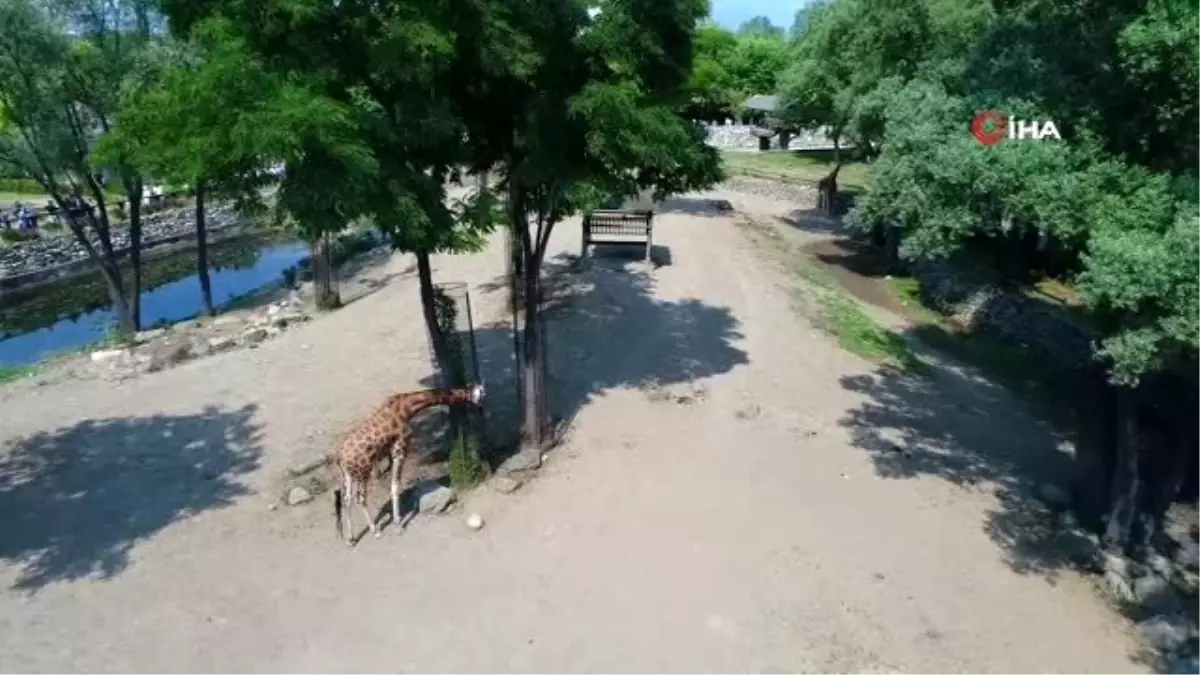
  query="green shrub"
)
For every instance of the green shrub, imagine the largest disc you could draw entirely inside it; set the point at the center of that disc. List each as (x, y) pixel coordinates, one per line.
(466, 467)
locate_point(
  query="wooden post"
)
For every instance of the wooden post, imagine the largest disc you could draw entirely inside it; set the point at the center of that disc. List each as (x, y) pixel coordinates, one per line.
(649, 235)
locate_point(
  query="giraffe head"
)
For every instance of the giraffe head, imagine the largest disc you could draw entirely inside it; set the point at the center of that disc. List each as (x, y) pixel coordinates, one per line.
(477, 394)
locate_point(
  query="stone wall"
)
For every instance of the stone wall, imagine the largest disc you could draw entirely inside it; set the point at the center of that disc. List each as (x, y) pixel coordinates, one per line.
(736, 136)
(978, 303)
(60, 248)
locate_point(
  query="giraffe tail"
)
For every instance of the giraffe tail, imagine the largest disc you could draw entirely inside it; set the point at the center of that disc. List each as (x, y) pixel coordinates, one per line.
(338, 502)
(337, 511)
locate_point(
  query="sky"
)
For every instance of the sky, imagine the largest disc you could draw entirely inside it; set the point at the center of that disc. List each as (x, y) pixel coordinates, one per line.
(731, 13)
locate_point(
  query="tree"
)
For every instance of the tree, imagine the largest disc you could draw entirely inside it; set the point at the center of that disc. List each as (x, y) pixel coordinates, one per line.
(191, 127)
(713, 93)
(760, 27)
(1115, 197)
(383, 72)
(59, 92)
(579, 107)
(755, 63)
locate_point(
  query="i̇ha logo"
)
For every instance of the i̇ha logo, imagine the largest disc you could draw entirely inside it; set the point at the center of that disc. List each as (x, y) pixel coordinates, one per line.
(990, 126)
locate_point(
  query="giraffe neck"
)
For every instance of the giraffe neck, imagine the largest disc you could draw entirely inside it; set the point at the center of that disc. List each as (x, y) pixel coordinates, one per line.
(414, 402)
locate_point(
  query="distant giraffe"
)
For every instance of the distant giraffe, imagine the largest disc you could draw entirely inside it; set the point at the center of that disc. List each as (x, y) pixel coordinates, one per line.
(383, 434)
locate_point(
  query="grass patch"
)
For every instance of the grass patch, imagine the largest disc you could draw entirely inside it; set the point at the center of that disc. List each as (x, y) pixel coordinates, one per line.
(14, 373)
(795, 166)
(861, 335)
(856, 332)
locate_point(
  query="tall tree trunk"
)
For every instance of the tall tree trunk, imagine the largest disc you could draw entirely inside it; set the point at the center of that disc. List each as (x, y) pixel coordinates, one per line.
(533, 426)
(1128, 481)
(516, 220)
(441, 350)
(135, 253)
(529, 347)
(323, 273)
(202, 252)
(1095, 446)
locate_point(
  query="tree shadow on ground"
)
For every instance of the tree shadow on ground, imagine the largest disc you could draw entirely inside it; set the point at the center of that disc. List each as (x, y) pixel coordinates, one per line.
(957, 425)
(605, 330)
(77, 500)
(353, 275)
(693, 206)
(812, 220)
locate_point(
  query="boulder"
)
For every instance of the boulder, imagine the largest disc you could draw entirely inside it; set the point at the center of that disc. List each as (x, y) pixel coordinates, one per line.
(298, 495)
(1116, 577)
(255, 335)
(432, 497)
(505, 484)
(1054, 496)
(148, 335)
(1155, 595)
(221, 343)
(287, 317)
(109, 355)
(1166, 633)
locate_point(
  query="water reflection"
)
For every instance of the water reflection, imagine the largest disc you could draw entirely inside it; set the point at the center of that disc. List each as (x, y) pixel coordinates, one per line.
(77, 312)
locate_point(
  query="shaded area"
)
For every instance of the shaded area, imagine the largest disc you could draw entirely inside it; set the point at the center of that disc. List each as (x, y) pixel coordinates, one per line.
(77, 500)
(606, 330)
(953, 424)
(812, 220)
(694, 206)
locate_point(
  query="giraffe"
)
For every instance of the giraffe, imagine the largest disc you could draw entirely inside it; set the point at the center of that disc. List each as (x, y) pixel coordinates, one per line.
(383, 434)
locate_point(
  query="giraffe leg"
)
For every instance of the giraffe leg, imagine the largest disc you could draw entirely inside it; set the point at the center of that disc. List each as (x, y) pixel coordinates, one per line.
(362, 504)
(347, 499)
(348, 491)
(397, 459)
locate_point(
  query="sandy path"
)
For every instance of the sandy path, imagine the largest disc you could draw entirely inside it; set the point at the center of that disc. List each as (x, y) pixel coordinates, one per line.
(755, 530)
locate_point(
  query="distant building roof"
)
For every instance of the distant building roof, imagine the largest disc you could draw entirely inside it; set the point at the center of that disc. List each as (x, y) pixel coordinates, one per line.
(762, 102)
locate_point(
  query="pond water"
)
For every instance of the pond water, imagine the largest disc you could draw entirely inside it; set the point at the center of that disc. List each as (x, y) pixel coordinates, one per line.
(75, 313)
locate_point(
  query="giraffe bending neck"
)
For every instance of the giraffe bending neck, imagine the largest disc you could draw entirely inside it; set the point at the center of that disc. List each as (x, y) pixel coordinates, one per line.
(414, 402)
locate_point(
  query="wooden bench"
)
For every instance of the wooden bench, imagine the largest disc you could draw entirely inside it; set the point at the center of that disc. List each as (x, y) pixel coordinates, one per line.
(634, 228)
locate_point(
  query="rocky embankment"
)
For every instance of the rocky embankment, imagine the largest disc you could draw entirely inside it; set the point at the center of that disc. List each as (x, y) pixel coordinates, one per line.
(162, 348)
(59, 247)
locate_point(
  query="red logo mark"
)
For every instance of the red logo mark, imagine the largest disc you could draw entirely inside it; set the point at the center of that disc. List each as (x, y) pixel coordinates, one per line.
(989, 127)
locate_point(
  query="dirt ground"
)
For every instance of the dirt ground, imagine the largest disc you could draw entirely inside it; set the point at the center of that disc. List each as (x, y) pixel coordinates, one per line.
(800, 510)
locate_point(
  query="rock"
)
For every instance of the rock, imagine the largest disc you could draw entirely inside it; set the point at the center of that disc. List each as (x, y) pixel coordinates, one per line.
(1166, 633)
(432, 497)
(200, 348)
(227, 320)
(148, 335)
(506, 484)
(1080, 547)
(1116, 577)
(254, 335)
(109, 355)
(1159, 564)
(284, 319)
(1188, 555)
(298, 495)
(307, 467)
(170, 356)
(221, 343)
(1053, 495)
(1154, 595)
(1183, 663)
(273, 309)
(475, 521)
(525, 460)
